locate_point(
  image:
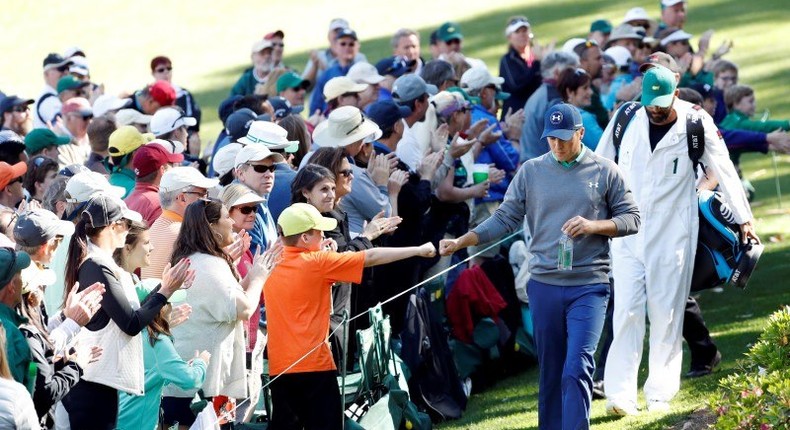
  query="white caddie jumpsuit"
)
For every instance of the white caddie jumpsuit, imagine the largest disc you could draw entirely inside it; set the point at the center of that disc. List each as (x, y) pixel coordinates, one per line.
(652, 269)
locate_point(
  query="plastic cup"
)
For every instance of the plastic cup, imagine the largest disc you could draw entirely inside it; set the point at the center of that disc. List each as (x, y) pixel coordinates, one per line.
(479, 173)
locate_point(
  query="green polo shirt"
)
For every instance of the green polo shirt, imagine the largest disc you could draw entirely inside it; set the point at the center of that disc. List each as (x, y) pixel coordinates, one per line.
(123, 178)
(16, 345)
(569, 164)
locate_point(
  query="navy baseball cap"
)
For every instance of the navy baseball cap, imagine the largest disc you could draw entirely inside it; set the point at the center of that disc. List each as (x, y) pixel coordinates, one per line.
(283, 108)
(396, 66)
(10, 102)
(561, 121)
(386, 113)
(238, 123)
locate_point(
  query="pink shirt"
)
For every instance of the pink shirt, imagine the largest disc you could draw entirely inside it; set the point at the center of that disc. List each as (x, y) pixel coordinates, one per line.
(144, 199)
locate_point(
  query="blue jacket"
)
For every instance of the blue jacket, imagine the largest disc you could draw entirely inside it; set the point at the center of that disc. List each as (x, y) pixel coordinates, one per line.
(280, 197)
(592, 131)
(500, 153)
(317, 101)
(609, 99)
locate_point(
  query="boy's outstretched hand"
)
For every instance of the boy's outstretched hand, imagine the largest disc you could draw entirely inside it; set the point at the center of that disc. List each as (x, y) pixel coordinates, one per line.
(427, 250)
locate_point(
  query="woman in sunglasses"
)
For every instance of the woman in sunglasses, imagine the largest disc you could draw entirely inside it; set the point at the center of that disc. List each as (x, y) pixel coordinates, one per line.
(222, 302)
(323, 183)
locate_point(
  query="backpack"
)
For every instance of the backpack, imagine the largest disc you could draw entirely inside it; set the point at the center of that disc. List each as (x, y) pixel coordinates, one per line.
(721, 256)
(434, 383)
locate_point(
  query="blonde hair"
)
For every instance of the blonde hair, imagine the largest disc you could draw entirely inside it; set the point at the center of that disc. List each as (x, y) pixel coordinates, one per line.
(233, 192)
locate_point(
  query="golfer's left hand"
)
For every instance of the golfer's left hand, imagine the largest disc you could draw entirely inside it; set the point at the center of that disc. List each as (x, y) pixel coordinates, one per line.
(747, 232)
(578, 226)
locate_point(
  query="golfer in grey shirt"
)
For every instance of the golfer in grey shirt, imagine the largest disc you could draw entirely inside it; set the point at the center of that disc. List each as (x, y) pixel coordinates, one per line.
(567, 191)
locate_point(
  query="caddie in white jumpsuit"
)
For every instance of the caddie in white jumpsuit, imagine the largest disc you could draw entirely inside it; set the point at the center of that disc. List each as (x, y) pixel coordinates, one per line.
(652, 269)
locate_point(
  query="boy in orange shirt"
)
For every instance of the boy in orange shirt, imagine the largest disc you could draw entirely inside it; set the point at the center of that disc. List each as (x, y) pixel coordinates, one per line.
(298, 304)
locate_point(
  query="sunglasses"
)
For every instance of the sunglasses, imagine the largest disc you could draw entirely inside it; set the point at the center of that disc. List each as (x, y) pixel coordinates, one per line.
(278, 45)
(14, 217)
(454, 42)
(246, 210)
(20, 109)
(125, 223)
(351, 44)
(260, 168)
(164, 69)
(202, 195)
(346, 173)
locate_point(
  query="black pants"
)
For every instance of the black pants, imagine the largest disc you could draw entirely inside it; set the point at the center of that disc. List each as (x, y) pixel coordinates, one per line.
(309, 401)
(697, 335)
(92, 406)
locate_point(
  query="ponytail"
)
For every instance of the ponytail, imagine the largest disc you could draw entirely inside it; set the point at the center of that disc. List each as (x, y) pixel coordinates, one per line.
(78, 251)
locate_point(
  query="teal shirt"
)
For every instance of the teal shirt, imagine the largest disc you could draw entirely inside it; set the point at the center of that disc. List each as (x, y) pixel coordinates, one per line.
(163, 366)
(569, 164)
(17, 349)
(246, 84)
(123, 178)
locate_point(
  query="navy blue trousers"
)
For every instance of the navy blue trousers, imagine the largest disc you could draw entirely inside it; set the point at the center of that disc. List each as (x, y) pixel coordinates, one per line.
(568, 323)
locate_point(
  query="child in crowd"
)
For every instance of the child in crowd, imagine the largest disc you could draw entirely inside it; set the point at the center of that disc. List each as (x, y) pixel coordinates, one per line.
(742, 105)
(298, 304)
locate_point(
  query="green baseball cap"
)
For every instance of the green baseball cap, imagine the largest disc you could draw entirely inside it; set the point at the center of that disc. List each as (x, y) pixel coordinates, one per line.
(601, 25)
(449, 31)
(471, 99)
(69, 82)
(658, 87)
(42, 138)
(11, 263)
(291, 80)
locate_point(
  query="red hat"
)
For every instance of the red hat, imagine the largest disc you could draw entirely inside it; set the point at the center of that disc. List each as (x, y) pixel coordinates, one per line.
(9, 172)
(163, 93)
(150, 157)
(273, 34)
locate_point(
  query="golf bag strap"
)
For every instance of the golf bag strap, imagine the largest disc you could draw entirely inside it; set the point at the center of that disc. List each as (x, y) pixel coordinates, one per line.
(695, 136)
(624, 116)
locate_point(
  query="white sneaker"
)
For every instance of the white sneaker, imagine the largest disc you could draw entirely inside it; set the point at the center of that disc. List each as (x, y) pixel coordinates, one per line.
(657, 406)
(621, 408)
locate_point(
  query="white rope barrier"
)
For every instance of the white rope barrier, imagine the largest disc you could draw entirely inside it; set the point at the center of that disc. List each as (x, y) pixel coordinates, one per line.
(346, 320)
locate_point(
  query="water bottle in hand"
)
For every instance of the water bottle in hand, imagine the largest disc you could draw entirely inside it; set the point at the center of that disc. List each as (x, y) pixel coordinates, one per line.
(565, 253)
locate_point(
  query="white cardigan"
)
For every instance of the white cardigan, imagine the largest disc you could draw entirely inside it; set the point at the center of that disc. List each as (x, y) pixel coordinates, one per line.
(213, 327)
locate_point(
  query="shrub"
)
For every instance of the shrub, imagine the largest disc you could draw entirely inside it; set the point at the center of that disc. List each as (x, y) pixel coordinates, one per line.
(758, 396)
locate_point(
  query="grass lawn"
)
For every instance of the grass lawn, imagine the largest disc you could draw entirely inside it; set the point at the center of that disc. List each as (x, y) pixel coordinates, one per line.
(209, 45)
